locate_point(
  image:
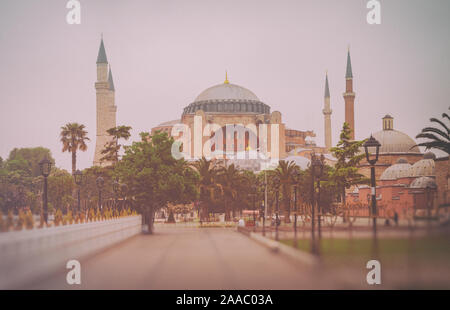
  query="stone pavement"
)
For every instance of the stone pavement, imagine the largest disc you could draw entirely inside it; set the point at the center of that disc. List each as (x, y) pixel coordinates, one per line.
(192, 258)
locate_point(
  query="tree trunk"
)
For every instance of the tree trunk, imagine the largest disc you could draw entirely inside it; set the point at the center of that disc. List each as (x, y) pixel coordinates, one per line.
(148, 218)
(74, 161)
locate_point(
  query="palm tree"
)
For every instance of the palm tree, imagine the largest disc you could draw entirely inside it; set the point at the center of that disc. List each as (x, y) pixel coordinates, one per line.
(285, 172)
(73, 138)
(438, 138)
(229, 178)
(208, 183)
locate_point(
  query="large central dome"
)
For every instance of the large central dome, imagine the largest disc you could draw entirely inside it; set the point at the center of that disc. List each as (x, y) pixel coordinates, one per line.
(227, 98)
(226, 92)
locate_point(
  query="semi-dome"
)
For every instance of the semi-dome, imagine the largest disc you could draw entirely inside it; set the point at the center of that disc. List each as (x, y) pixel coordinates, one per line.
(227, 98)
(424, 167)
(397, 171)
(423, 182)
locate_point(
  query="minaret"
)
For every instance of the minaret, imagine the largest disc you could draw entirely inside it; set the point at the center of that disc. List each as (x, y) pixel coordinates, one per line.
(349, 97)
(106, 108)
(327, 115)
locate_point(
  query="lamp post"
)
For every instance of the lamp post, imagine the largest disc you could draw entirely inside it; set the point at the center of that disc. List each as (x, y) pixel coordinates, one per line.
(254, 189)
(277, 196)
(100, 183)
(321, 164)
(45, 166)
(295, 180)
(372, 148)
(20, 191)
(116, 187)
(123, 191)
(316, 170)
(78, 176)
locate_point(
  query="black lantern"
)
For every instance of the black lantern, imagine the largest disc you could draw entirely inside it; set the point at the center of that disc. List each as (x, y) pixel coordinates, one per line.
(123, 189)
(372, 148)
(116, 187)
(317, 165)
(45, 165)
(100, 183)
(78, 177)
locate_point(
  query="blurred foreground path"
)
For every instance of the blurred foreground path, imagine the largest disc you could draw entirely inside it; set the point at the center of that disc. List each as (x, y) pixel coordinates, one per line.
(191, 258)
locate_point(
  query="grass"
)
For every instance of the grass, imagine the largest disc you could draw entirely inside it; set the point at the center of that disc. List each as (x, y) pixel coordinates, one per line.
(394, 250)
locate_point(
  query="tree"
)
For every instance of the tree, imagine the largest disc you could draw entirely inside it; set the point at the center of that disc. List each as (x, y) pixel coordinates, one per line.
(112, 148)
(74, 137)
(208, 185)
(437, 138)
(153, 176)
(229, 178)
(348, 155)
(32, 156)
(60, 187)
(285, 172)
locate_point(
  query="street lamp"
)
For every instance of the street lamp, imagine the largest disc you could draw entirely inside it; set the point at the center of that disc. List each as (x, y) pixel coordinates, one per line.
(254, 189)
(124, 191)
(78, 176)
(295, 180)
(45, 166)
(116, 187)
(277, 195)
(100, 184)
(20, 191)
(372, 149)
(316, 170)
(320, 164)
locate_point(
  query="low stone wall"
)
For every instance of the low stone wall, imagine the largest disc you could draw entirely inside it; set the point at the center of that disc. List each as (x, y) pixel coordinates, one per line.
(27, 255)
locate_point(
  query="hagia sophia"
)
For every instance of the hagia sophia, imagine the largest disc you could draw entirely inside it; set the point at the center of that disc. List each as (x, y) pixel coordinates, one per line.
(405, 176)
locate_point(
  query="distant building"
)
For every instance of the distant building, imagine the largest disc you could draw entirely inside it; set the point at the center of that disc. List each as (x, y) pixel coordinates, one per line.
(410, 188)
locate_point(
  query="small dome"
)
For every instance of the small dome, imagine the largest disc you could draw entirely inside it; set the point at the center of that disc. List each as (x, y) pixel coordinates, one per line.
(429, 155)
(397, 171)
(423, 182)
(424, 167)
(394, 141)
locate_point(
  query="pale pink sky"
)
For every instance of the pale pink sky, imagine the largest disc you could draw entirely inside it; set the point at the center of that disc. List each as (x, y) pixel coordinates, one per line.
(164, 53)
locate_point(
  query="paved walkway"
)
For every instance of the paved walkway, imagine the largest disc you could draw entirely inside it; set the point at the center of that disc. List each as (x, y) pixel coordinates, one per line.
(191, 258)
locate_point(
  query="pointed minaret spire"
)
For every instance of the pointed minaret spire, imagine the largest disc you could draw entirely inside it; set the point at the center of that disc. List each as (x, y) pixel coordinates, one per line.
(101, 58)
(327, 89)
(349, 73)
(110, 80)
(327, 115)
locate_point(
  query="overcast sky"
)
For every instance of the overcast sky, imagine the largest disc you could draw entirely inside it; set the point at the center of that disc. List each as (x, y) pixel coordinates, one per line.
(164, 53)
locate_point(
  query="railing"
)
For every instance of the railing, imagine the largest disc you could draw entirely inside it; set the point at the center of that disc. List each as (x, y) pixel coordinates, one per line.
(27, 255)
